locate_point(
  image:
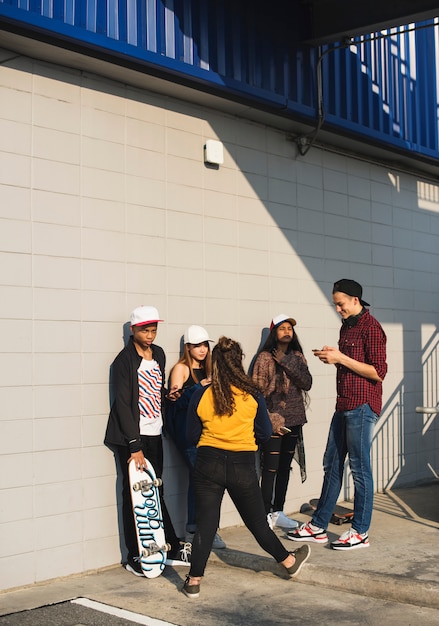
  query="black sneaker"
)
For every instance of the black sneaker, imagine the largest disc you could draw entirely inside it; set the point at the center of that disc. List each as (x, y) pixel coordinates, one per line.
(133, 566)
(301, 555)
(180, 555)
(190, 591)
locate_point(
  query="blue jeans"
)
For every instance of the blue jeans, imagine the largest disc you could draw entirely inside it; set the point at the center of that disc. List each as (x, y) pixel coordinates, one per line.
(351, 434)
(215, 471)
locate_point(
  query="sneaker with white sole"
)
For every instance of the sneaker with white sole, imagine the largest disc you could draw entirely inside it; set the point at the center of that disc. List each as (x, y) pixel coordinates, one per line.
(180, 556)
(351, 540)
(301, 555)
(133, 566)
(282, 521)
(191, 591)
(308, 532)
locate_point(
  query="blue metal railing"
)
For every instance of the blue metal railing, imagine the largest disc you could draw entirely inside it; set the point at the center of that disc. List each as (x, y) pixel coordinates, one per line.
(382, 88)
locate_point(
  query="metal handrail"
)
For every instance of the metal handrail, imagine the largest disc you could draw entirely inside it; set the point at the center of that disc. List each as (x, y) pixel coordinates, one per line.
(428, 409)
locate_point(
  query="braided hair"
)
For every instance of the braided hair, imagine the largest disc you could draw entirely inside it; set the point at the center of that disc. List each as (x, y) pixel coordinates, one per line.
(227, 370)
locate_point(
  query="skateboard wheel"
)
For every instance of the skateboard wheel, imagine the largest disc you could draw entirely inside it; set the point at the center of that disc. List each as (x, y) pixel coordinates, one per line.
(139, 486)
(146, 484)
(155, 548)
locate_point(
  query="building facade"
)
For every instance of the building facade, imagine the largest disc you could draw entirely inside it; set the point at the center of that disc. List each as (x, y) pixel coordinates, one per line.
(107, 202)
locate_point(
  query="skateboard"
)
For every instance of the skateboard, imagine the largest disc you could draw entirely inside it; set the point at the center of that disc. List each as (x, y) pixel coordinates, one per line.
(148, 519)
(341, 514)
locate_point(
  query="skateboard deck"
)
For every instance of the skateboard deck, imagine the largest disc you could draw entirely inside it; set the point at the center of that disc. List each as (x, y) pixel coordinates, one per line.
(148, 519)
(341, 514)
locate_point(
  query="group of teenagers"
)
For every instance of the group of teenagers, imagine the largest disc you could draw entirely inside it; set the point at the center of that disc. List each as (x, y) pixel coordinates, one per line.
(220, 417)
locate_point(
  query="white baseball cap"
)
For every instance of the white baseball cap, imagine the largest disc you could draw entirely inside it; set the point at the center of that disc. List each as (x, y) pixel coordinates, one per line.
(144, 315)
(281, 318)
(196, 334)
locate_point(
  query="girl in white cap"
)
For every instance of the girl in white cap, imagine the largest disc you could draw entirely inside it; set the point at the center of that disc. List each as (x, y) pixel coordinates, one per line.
(191, 372)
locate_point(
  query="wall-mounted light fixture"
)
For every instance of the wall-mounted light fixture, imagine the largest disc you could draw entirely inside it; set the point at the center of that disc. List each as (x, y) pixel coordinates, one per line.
(213, 152)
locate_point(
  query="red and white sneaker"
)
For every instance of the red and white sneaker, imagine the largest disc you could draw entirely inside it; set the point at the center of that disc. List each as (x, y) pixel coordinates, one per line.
(350, 540)
(308, 532)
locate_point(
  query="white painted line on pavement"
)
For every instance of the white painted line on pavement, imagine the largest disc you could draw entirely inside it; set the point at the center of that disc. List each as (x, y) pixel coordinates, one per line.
(128, 615)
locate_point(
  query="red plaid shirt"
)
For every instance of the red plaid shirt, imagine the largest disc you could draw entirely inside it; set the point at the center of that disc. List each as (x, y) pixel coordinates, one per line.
(364, 342)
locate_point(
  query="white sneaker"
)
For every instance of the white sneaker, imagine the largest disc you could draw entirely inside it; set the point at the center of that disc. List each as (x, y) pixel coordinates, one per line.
(351, 540)
(180, 556)
(270, 520)
(282, 521)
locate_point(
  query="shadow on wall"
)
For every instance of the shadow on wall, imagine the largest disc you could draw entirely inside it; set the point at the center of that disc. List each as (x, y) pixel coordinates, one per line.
(126, 333)
(401, 434)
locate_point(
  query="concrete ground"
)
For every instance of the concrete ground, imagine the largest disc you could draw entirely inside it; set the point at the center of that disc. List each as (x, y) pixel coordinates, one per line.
(396, 580)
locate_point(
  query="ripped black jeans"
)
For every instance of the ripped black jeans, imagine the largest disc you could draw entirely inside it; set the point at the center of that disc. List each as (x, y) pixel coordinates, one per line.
(276, 458)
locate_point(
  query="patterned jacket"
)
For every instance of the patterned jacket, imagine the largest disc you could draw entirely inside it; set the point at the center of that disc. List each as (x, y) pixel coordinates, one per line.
(283, 385)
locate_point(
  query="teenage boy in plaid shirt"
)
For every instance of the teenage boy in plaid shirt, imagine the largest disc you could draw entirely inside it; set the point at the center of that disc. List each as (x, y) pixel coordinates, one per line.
(361, 367)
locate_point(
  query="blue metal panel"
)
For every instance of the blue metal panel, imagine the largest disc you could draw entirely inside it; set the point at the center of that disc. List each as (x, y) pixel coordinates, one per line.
(384, 89)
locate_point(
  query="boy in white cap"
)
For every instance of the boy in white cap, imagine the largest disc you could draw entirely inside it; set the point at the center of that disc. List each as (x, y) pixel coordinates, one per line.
(134, 429)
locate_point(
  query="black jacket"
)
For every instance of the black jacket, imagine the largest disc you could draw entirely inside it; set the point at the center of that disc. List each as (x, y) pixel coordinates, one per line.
(123, 422)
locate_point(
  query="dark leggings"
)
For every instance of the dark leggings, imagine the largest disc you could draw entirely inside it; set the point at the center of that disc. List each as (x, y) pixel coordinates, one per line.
(276, 458)
(215, 471)
(152, 448)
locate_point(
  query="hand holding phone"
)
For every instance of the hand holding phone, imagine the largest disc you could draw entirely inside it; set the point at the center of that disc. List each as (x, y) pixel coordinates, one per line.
(284, 430)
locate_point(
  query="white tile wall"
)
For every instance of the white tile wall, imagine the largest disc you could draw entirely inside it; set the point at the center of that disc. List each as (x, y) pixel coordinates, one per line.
(55, 208)
(105, 204)
(57, 433)
(58, 498)
(15, 402)
(56, 401)
(57, 271)
(15, 436)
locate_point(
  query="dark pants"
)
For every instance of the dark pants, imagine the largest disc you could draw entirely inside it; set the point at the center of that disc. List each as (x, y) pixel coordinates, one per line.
(152, 448)
(215, 471)
(276, 458)
(189, 455)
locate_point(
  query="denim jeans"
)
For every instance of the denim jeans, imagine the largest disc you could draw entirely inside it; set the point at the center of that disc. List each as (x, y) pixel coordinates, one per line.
(215, 471)
(351, 434)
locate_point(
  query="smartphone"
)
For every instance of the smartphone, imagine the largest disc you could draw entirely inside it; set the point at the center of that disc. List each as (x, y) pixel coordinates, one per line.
(284, 430)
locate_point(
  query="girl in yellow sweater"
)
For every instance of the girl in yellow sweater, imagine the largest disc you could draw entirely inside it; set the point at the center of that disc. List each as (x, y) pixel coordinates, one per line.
(226, 421)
